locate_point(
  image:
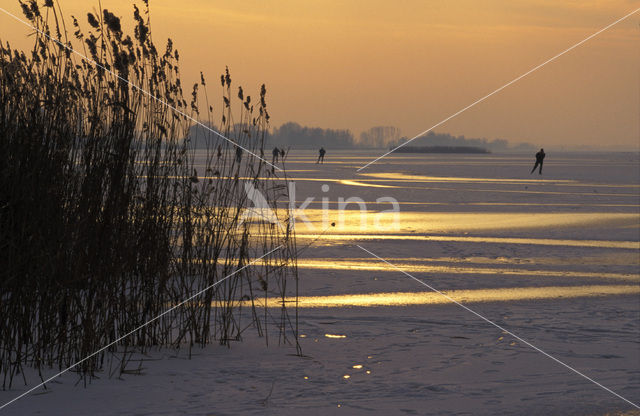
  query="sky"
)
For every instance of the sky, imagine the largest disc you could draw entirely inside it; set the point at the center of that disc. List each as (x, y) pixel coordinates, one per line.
(354, 64)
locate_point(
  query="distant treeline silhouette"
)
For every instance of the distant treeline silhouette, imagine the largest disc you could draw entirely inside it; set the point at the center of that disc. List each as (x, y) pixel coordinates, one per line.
(296, 136)
(293, 135)
(445, 140)
(288, 135)
(441, 149)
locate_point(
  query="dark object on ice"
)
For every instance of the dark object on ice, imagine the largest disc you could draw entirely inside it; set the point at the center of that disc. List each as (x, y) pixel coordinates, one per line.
(276, 154)
(238, 154)
(194, 178)
(539, 159)
(441, 149)
(321, 155)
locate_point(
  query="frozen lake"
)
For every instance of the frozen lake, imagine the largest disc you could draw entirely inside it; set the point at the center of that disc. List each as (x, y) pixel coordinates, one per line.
(553, 258)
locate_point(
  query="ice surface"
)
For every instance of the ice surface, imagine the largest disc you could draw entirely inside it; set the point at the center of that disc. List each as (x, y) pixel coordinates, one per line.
(554, 258)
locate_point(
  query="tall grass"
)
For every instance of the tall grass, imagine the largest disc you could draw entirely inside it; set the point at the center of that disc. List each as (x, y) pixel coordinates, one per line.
(108, 217)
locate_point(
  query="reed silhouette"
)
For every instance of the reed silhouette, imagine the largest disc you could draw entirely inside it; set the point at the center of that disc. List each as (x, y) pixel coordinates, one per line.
(108, 217)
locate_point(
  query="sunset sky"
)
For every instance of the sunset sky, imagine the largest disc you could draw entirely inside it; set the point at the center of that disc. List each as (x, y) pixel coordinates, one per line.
(410, 63)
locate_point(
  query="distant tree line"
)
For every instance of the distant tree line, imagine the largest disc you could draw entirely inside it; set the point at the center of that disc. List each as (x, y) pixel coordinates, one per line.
(432, 139)
(379, 137)
(293, 135)
(442, 149)
(296, 136)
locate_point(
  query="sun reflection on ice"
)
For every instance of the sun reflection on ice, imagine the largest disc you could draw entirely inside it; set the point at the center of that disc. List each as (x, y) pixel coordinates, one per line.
(463, 296)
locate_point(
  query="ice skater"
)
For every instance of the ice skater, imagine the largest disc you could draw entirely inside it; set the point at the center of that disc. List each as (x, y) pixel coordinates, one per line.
(276, 154)
(321, 155)
(539, 159)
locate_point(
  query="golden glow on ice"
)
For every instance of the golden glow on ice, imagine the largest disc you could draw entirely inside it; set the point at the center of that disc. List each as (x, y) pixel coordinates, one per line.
(374, 265)
(368, 185)
(353, 221)
(401, 177)
(462, 296)
(633, 245)
(421, 178)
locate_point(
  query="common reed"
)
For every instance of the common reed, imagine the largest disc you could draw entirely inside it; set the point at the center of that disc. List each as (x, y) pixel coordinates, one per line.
(110, 212)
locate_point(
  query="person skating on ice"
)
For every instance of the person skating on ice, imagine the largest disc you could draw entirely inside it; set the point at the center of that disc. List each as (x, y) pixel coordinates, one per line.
(539, 159)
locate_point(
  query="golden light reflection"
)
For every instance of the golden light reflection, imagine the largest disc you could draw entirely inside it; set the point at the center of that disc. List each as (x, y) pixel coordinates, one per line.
(606, 258)
(391, 176)
(632, 245)
(388, 221)
(371, 184)
(462, 296)
(354, 224)
(368, 185)
(369, 265)
(531, 204)
(401, 177)
(527, 191)
(491, 204)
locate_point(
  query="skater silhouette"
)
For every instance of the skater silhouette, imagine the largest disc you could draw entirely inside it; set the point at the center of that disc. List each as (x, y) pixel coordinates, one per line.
(321, 155)
(276, 154)
(539, 159)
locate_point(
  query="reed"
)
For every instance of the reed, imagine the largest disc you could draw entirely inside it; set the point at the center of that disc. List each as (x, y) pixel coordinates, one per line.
(109, 216)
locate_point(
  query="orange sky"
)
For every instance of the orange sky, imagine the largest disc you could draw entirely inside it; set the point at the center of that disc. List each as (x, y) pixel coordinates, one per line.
(411, 63)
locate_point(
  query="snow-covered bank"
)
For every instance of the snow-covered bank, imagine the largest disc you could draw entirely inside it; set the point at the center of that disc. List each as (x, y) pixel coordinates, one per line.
(414, 360)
